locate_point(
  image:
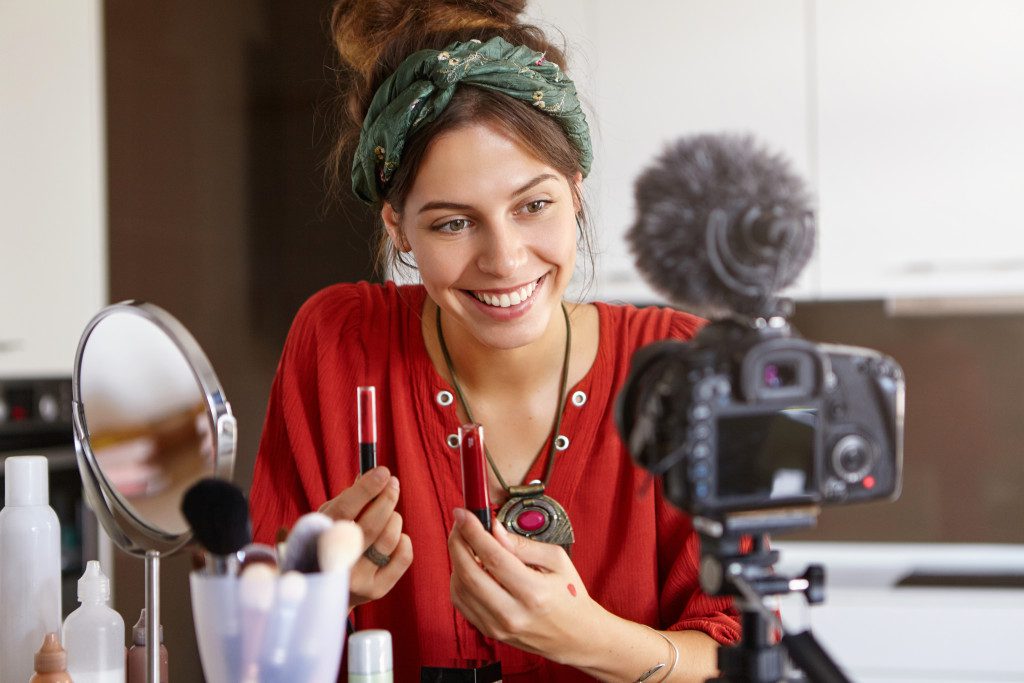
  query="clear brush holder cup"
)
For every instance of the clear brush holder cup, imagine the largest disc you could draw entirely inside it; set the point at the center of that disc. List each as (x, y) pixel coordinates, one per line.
(299, 640)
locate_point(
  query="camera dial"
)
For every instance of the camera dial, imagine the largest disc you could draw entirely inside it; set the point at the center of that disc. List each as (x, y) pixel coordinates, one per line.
(853, 457)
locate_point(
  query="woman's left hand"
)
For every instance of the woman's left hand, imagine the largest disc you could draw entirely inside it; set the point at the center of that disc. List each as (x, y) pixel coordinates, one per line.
(520, 591)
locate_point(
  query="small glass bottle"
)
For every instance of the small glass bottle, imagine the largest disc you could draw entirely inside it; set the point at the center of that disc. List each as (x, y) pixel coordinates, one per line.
(137, 658)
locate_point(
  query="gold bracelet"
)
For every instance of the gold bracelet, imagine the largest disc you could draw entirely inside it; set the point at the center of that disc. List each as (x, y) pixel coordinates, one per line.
(661, 665)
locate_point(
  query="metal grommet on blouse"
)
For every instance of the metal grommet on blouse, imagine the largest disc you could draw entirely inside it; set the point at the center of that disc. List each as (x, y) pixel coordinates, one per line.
(561, 442)
(445, 398)
(579, 398)
(453, 440)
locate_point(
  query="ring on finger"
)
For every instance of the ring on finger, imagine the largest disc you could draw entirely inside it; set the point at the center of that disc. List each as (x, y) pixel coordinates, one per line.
(376, 556)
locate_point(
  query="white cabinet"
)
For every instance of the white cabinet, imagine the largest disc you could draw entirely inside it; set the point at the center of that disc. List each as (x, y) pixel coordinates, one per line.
(52, 182)
(904, 116)
(880, 633)
(919, 143)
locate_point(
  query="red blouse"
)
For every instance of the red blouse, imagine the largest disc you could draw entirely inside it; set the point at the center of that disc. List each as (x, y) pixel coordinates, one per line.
(637, 555)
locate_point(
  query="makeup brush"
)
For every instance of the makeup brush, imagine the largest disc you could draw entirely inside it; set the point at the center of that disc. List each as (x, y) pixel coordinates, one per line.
(256, 597)
(340, 546)
(301, 552)
(219, 516)
(291, 592)
(256, 554)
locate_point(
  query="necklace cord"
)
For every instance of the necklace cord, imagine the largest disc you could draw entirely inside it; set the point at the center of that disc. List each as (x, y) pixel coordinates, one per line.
(561, 397)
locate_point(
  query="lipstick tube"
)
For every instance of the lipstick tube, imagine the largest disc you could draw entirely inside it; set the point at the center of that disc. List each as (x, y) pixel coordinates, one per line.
(474, 472)
(366, 408)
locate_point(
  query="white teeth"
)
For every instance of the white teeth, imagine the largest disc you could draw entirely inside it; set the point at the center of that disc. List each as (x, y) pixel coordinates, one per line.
(509, 299)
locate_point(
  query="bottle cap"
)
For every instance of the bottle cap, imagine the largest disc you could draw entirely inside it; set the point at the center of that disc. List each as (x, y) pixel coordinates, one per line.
(139, 631)
(369, 652)
(94, 586)
(51, 658)
(26, 480)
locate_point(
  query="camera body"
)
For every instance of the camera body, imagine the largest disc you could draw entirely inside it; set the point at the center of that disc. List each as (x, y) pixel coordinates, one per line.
(749, 416)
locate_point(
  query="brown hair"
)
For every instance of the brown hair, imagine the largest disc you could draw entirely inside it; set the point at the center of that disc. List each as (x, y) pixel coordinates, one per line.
(373, 37)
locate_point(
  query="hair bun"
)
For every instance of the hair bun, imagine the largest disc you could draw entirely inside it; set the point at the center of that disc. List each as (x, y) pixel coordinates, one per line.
(365, 29)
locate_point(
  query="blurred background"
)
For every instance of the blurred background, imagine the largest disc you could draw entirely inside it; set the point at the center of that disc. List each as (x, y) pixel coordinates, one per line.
(172, 152)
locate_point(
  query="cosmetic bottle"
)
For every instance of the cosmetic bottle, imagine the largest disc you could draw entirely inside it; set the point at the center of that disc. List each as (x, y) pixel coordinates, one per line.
(369, 657)
(94, 633)
(29, 566)
(50, 662)
(137, 653)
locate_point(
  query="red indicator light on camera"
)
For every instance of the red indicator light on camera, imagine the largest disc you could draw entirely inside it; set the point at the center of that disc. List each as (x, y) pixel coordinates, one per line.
(869, 482)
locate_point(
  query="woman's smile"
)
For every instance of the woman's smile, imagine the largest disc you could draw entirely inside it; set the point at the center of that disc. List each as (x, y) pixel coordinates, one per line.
(508, 303)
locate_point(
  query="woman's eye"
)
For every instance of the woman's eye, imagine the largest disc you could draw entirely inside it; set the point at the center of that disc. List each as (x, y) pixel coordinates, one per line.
(536, 206)
(453, 226)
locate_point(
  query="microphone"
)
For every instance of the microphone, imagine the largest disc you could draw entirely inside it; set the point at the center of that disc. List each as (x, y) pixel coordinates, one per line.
(722, 225)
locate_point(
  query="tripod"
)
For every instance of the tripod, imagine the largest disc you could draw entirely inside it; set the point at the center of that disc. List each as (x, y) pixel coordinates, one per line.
(730, 567)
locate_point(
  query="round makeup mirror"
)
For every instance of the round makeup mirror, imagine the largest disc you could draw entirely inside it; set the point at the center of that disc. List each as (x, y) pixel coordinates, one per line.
(150, 419)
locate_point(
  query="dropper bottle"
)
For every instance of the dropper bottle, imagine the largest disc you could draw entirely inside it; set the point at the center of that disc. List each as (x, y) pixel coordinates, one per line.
(94, 633)
(137, 657)
(51, 662)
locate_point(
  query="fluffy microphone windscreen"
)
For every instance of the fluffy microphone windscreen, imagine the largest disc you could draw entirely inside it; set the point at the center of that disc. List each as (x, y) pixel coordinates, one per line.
(722, 224)
(218, 514)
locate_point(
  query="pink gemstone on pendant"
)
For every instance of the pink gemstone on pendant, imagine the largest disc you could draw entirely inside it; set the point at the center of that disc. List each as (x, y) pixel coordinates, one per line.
(530, 520)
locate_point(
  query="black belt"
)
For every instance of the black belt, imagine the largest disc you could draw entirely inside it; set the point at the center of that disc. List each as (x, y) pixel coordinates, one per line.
(485, 674)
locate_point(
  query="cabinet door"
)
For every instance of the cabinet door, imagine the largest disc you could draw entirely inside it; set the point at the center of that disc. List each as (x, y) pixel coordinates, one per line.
(661, 70)
(52, 183)
(920, 141)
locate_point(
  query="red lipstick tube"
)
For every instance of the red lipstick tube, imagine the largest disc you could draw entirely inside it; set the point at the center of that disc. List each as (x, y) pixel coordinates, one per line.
(474, 472)
(366, 408)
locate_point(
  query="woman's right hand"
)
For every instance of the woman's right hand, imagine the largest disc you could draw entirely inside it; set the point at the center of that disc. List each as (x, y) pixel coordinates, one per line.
(370, 502)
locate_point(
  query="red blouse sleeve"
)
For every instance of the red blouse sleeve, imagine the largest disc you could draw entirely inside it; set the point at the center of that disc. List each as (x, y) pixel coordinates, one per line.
(289, 478)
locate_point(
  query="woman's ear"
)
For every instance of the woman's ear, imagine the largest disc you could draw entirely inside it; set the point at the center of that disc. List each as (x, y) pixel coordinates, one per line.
(392, 223)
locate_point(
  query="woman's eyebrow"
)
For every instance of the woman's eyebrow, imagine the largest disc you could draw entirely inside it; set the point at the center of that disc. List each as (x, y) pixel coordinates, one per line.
(454, 206)
(536, 181)
(444, 205)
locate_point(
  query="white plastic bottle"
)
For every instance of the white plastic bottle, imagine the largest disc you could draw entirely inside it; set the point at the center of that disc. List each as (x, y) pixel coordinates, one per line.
(94, 633)
(29, 566)
(369, 657)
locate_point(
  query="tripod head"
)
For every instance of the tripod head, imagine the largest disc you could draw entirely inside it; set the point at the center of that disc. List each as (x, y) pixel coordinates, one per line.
(736, 560)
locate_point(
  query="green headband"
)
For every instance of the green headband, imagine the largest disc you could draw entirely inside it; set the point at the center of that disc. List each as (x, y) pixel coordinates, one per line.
(423, 85)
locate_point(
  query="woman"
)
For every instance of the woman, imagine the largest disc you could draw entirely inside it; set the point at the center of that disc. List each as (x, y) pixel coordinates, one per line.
(473, 147)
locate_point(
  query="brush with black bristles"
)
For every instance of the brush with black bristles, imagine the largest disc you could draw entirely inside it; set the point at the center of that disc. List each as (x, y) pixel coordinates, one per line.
(219, 516)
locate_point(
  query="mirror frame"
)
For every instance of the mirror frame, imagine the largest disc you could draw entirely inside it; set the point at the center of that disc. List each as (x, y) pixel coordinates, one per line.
(126, 528)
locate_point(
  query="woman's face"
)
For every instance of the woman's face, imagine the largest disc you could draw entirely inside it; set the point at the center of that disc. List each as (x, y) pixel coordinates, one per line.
(493, 231)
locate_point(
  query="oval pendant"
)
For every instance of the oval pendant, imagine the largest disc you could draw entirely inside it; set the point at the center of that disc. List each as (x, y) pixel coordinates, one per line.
(539, 517)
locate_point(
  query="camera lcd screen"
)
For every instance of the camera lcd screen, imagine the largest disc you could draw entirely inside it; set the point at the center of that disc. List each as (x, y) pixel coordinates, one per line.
(767, 458)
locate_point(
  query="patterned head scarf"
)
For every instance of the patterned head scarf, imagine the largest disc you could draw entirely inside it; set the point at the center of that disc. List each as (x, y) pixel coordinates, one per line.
(424, 84)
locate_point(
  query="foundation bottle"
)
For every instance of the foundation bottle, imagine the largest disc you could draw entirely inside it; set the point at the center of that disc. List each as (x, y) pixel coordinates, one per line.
(137, 653)
(51, 662)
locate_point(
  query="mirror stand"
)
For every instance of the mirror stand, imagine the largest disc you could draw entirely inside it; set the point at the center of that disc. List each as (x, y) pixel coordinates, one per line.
(153, 616)
(150, 419)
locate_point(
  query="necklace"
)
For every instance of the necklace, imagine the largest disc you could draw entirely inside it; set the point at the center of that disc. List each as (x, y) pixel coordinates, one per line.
(528, 511)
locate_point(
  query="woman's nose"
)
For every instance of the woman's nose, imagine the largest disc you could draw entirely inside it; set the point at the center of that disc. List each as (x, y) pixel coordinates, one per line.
(503, 251)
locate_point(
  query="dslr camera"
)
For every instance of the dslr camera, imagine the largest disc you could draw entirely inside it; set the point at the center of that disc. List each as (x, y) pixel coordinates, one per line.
(748, 415)
(748, 418)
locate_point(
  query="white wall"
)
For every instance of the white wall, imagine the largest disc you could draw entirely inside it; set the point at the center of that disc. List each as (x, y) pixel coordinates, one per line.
(52, 182)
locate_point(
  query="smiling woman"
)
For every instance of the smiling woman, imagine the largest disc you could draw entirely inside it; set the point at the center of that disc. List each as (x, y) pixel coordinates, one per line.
(469, 139)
